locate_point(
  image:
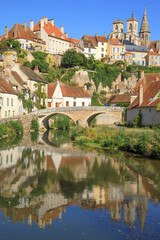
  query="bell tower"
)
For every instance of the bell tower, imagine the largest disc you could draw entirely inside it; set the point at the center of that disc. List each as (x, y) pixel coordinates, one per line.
(145, 31)
(118, 29)
(132, 30)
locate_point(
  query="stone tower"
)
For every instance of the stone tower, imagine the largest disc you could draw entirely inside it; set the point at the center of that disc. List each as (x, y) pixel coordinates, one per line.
(145, 31)
(118, 29)
(132, 30)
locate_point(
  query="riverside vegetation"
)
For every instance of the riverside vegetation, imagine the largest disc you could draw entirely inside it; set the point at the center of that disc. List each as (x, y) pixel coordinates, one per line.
(10, 133)
(142, 141)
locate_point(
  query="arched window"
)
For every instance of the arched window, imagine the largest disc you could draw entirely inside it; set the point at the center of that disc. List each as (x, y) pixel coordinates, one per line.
(142, 36)
(116, 27)
(130, 27)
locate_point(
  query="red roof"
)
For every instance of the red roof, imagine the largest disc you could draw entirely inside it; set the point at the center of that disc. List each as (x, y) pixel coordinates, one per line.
(51, 30)
(101, 39)
(153, 53)
(151, 87)
(74, 41)
(21, 33)
(67, 91)
(5, 87)
(91, 38)
(121, 98)
(115, 41)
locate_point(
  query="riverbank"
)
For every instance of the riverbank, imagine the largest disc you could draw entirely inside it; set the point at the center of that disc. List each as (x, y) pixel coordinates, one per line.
(143, 141)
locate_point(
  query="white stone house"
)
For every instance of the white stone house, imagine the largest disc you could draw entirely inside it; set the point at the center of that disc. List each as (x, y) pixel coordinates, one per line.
(56, 41)
(62, 95)
(10, 105)
(145, 99)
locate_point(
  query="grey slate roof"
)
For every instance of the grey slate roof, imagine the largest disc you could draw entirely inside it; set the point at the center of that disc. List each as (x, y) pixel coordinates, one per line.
(135, 48)
(32, 75)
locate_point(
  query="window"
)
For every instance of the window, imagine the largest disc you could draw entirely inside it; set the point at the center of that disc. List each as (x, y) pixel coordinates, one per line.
(41, 101)
(67, 104)
(113, 49)
(122, 51)
(102, 55)
(117, 49)
(83, 103)
(6, 159)
(138, 56)
(11, 158)
(74, 104)
(5, 113)
(143, 56)
(134, 55)
(11, 102)
(89, 50)
(7, 102)
(102, 43)
(117, 57)
(8, 113)
(102, 49)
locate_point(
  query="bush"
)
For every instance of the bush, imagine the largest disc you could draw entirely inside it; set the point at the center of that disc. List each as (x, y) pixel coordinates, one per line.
(34, 125)
(17, 126)
(137, 121)
(3, 130)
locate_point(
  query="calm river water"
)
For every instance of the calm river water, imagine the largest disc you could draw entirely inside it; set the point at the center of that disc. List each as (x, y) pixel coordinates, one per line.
(50, 189)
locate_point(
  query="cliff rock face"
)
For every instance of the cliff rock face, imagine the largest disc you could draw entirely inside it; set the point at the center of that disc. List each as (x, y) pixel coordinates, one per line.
(81, 78)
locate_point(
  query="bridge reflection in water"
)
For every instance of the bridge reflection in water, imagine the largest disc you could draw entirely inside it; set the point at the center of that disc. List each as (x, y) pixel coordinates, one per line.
(39, 183)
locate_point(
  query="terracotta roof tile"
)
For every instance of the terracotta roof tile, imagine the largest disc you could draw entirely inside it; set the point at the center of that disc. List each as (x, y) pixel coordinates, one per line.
(73, 41)
(153, 53)
(151, 87)
(115, 41)
(18, 78)
(101, 39)
(121, 98)
(5, 87)
(51, 30)
(67, 91)
(91, 38)
(21, 33)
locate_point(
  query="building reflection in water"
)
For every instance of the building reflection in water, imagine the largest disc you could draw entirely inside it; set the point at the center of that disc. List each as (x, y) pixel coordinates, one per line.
(32, 184)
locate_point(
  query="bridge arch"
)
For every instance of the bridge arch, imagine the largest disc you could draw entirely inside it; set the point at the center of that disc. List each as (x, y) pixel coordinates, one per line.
(112, 117)
(45, 120)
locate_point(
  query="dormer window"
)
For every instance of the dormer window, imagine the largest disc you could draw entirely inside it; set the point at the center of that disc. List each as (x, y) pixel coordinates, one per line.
(53, 34)
(62, 37)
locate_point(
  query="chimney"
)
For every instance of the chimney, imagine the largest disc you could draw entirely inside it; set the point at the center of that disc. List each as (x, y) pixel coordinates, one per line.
(85, 87)
(105, 35)
(96, 35)
(66, 34)
(45, 19)
(25, 26)
(42, 22)
(6, 32)
(36, 70)
(140, 94)
(142, 74)
(31, 25)
(15, 32)
(62, 29)
(51, 21)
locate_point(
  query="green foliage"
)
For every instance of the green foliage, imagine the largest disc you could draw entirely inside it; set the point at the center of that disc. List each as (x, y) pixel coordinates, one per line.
(3, 130)
(125, 74)
(88, 85)
(27, 103)
(71, 59)
(11, 43)
(34, 125)
(138, 68)
(41, 94)
(17, 126)
(137, 121)
(66, 78)
(34, 136)
(40, 61)
(62, 122)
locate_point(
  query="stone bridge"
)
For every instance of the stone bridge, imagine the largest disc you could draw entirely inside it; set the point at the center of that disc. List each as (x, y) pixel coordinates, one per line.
(80, 115)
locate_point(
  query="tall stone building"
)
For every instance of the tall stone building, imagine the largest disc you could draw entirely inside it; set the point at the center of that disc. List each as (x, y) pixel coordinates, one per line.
(145, 31)
(132, 30)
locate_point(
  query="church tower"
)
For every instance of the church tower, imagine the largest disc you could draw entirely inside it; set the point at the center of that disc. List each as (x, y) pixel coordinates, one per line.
(118, 29)
(145, 31)
(132, 30)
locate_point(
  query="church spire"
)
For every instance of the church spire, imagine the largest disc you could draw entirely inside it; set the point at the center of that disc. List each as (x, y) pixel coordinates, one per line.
(145, 25)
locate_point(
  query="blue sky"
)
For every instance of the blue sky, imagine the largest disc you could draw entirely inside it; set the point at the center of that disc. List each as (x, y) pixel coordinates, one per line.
(81, 17)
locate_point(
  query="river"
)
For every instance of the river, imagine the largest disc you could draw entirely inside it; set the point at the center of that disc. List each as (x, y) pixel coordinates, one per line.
(51, 189)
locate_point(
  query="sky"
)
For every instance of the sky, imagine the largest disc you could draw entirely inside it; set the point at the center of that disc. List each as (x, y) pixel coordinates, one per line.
(81, 17)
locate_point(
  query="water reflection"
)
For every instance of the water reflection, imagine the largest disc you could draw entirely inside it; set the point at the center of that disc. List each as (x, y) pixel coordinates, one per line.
(38, 183)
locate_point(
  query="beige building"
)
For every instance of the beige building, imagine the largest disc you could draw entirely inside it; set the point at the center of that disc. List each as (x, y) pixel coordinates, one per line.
(56, 41)
(26, 37)
(115, 50)
(153, 58)
(10, 105)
